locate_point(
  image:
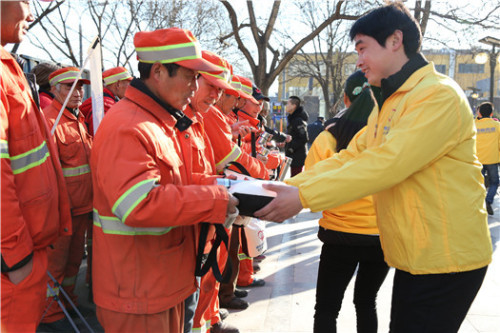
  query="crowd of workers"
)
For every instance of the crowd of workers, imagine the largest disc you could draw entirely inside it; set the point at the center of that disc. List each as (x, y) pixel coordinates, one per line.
(395, 174)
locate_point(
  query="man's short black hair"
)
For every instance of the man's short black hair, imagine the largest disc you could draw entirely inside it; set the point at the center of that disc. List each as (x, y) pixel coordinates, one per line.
(485, 109)
(145, 69)
(295, 100)
(380, 23)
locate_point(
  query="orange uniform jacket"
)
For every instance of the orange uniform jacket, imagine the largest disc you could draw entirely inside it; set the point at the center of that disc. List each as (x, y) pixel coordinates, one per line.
(35, 206)
(146, 207)
(273, 159)
(74, 144)
(226, 150)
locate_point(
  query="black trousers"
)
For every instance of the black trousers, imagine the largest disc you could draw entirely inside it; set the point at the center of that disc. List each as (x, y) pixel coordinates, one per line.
(337, 265)
(433, 303)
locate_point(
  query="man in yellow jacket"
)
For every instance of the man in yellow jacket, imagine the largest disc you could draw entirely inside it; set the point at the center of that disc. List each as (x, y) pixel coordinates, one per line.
(488, 149)
(417, 157)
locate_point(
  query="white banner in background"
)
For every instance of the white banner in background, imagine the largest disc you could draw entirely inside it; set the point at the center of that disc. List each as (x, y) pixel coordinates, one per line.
(96, 85)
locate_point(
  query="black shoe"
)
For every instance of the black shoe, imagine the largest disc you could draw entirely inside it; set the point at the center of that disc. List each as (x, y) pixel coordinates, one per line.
(240, 293)
(257, 283)
(236, 304)
(61, 325)
(223, 313)
(222, 327)
(489, 209)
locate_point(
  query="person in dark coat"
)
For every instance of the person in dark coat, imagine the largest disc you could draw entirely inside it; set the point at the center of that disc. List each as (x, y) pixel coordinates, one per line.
(297, 129)
(314, 129)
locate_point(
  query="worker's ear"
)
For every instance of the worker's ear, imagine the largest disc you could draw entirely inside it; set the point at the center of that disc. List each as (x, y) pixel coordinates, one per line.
(156, 71)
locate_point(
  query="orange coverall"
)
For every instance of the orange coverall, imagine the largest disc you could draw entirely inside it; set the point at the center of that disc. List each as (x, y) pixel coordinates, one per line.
(74, 144)
(146, 210)
(35, 206)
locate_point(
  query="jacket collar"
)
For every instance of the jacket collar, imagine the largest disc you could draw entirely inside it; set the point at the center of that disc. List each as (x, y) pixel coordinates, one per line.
(173, 117)
(69, 113)
(394, 82)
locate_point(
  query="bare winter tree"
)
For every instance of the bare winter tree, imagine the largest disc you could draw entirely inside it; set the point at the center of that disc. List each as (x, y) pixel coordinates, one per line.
(266, 70)
(116, 22)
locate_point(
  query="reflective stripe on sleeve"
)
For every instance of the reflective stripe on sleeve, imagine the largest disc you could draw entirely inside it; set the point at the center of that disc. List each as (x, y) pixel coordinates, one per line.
(113, 226)
(76, 171)
(232, 156)
(4, 149)
(242, 256)
(130, 199)
(169, 53)
(30, 159)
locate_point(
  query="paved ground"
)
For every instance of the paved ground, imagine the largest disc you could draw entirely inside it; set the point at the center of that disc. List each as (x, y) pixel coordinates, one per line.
(286, 302)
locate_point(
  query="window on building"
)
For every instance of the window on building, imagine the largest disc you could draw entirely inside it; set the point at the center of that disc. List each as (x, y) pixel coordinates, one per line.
(349, 69)
(471, 68)
(441, 68)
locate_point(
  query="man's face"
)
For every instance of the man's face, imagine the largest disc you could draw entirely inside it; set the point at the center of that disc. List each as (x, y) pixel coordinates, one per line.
(227, 103)
(241, 103)
(373, 59)
(16, 16)
(206, 95)
(177, 90)
(252, 109)
(121, 87)
(76, 97)
(290, 107)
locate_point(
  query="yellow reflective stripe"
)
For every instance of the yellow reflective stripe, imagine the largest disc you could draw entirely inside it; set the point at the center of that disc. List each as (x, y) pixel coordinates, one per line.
(246, 89)
(30, 159)
(69, 75)
(242, 256)
(225, 75)
(76, 171)
(132, 197)
(203, 329)
(116, 77)
(113, 226)
(4, 149)
(69, 281)
(169, 53)
(50, 293)
(236, 85)
(232, 156)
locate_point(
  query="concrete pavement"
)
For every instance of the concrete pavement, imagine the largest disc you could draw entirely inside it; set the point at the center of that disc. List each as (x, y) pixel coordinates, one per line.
(286, 303)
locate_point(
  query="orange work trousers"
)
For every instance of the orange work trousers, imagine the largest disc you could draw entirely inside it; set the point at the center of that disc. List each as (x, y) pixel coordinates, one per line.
(64, 263)
(245, 277)
(23, 304)
(171, 320)
(207, 311)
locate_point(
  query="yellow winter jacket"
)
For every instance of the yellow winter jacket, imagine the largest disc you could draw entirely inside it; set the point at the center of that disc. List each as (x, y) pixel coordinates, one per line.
(357, 216)
(417, 157)
(488, 140)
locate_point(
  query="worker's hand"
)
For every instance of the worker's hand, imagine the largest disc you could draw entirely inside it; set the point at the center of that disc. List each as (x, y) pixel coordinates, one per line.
(20, 274)
(285, 205)
(288, 138)
(231, 205)
(262, 158)
(241, 128)
(232, 212)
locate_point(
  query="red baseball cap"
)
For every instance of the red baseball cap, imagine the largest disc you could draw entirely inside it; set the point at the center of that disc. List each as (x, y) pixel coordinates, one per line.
(246, 89)
(223, 77)
(65, 75)
(173, 45)
(116, 74)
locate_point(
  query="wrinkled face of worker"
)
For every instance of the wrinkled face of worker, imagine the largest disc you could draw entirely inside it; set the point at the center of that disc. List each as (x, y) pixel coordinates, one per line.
(252, 109)
(15, 19)
(62, 93)
(121, 87)
(227, 103)
(179, 89)
(206, 95)
(374, 60)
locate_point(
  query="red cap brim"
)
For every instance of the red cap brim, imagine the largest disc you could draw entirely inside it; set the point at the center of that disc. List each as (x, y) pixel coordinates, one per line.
(199, 64)
(85, 81)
